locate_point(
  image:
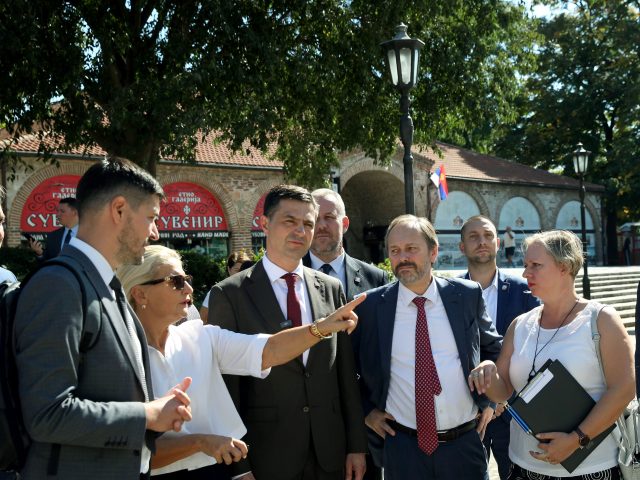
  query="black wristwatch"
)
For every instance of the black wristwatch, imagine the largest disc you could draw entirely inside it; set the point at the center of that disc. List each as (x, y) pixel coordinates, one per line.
(583, 438)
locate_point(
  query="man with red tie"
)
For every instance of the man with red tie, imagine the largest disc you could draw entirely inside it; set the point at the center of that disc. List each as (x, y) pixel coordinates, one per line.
(305, 420)
(416, 342)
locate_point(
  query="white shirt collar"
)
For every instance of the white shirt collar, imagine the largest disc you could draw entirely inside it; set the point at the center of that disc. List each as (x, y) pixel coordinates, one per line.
(406, 296)
(494, 282)
(98, 260)
(274, 272)
(336, 263)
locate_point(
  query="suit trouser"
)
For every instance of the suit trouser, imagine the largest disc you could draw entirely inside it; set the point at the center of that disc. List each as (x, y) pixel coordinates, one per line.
(496, 440)
(463, 458)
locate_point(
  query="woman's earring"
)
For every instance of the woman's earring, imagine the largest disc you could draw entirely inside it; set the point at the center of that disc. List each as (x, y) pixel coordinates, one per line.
(143, 306)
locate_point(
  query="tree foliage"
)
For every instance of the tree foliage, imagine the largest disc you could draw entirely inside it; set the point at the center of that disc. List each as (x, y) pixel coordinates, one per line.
(143, 79)
(586, 88)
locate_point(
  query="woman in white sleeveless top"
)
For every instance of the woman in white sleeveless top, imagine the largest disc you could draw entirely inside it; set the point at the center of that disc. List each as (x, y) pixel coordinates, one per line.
(561, 330)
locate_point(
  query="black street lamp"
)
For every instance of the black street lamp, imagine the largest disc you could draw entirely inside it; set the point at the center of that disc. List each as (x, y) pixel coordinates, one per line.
(580, 164)
(402, 54)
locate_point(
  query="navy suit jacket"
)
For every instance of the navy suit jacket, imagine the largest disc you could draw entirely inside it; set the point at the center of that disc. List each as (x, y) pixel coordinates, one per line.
(360, 275)
(475, 336)
(514, 299)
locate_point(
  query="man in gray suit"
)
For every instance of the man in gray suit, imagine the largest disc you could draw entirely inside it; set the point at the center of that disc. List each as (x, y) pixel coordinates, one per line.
(327, 254)
(305, 420)
(327, 249)
(88, 403)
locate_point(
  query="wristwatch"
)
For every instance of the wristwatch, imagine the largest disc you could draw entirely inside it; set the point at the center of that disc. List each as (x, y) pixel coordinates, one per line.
(583, 438)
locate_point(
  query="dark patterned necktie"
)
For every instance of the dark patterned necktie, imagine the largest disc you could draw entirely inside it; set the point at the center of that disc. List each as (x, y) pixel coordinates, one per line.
(326, 269)
(427, 383)
(68, 236)
(294, 313)
(135, 341)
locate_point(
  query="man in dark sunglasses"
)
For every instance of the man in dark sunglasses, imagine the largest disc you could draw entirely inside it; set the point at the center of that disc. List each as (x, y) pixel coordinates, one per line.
(305, 420)
(82, 360)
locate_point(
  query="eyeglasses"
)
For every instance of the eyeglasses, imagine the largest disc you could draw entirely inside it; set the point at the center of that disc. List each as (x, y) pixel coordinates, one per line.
(178, 281)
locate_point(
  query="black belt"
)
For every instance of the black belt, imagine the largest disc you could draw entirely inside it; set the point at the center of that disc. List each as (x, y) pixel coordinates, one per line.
(443, 436)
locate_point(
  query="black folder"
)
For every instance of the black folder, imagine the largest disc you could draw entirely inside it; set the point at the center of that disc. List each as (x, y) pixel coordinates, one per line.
(554, 401)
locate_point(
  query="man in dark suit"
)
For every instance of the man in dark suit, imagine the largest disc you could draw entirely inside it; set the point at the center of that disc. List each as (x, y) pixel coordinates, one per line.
(327, 255)
(505, 296)
(305, 420)
(417, 341)
(87, 401)
(327, 249)
(67, 215)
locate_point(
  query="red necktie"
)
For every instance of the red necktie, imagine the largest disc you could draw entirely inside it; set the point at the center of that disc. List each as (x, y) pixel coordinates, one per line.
(427, 383)
(293, 304)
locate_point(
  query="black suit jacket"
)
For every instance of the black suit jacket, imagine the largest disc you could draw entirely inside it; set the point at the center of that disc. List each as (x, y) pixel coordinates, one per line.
(475, 337)
(360, 275)
(54, 242)
(296, 407)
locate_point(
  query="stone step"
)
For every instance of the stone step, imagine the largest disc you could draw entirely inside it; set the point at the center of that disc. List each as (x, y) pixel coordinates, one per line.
(610, 281)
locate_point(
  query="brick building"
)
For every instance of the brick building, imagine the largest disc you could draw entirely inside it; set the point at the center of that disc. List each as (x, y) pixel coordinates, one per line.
(214, 204)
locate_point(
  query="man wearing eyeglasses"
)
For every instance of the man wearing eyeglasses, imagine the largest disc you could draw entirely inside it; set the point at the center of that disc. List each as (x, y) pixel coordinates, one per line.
(305, 420)
(87, 400)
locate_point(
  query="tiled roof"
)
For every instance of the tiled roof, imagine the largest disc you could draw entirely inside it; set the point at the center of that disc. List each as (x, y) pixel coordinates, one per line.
(209, 152)
(463, 164)
(459, 163)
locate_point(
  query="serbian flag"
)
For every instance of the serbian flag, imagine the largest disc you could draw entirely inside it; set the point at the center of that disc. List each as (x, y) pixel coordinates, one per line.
(439, 179)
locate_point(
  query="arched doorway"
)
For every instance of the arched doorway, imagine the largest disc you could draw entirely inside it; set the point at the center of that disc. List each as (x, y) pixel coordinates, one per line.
(372, 199)
(450, 216)
(569, 219)
(523, 218)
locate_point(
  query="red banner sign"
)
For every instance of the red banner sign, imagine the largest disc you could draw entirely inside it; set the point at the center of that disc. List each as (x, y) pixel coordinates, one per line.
(191, 211)
(256, 231)
(39, 211)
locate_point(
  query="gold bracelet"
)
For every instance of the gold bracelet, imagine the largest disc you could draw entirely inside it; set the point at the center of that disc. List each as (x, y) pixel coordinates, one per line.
(313, 328)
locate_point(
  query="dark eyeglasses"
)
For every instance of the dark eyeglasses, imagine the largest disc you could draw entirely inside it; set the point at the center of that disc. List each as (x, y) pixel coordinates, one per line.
(178, 281)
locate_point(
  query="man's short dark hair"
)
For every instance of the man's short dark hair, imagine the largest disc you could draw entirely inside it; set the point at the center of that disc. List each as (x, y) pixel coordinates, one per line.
(112, 177)
(286, 192)
(473, 219)
(70, 201)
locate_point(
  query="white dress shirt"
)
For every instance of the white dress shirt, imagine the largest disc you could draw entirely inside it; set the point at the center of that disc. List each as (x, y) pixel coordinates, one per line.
(490, 297)
(205, 352)
(337, 264)
(454, 406)
(107, 273)
(279, 285)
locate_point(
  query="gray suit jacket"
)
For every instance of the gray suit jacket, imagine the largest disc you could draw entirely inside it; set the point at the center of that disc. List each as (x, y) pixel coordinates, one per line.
(361, 276)
(83, 411)
(296, 407)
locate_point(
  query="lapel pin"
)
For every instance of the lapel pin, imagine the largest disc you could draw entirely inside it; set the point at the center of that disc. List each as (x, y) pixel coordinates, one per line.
(356, 280)
(504, 287)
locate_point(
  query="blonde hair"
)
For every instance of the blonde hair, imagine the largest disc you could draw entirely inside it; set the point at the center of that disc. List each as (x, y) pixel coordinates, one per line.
(155, 257)
(564, 247)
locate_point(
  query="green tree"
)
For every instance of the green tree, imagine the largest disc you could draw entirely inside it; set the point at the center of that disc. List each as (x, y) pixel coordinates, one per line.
(587, 88)
(143, 79)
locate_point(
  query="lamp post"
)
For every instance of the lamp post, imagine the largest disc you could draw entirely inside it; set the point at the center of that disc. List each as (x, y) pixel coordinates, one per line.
(402, 53)
(580, 164)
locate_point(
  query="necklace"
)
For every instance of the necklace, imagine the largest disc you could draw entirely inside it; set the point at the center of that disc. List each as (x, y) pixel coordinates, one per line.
(533, 371)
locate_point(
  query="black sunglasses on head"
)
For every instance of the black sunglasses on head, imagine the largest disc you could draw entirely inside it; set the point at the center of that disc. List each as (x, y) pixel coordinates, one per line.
(178, 281)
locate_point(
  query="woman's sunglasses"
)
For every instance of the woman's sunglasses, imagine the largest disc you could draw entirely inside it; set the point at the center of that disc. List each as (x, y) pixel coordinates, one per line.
(177, 281)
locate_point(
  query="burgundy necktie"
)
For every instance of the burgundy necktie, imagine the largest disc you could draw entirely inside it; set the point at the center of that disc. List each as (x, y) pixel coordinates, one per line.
(427, 383)
(293, 304)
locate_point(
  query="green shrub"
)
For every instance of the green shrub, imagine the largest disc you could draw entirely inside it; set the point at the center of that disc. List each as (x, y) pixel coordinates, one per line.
(205, 270)
(20, 260)
(386, 266)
